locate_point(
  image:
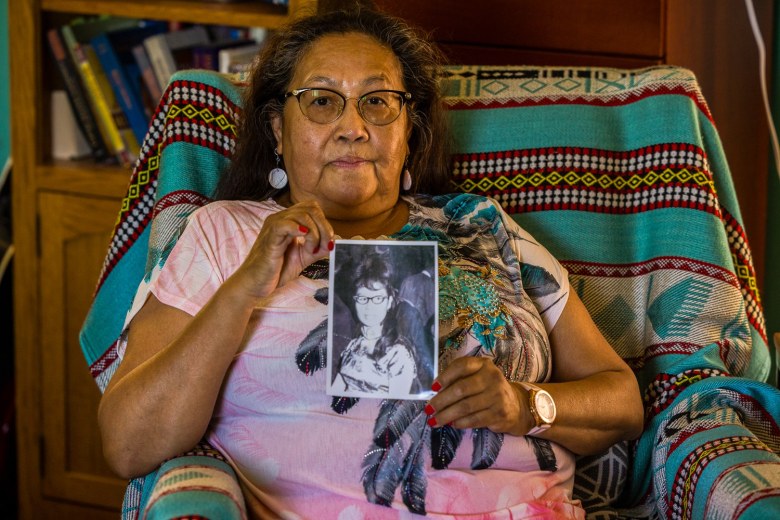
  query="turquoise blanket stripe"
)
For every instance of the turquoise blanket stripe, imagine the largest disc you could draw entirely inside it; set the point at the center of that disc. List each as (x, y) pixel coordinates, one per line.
(183, 172)
(652, 234)
(576, 125)
(104, 323)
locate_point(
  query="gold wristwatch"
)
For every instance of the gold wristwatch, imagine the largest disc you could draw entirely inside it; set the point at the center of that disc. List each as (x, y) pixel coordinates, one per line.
(542, 408)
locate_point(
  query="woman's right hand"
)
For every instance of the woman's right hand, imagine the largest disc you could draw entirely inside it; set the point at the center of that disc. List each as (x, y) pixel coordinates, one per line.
(289, 241)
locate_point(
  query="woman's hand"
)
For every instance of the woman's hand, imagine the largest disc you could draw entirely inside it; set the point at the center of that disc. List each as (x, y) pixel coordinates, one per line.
(474, 394)
(289, 241)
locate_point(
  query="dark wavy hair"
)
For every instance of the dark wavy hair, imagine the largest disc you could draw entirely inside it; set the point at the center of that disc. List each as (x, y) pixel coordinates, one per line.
(429, 142)
(373, 271)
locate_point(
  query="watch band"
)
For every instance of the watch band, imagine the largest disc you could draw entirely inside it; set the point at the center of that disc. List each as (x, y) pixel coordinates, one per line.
(541, 423)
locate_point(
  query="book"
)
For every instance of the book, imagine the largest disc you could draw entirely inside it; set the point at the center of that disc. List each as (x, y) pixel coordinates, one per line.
(168, 52)
(111, 120)
(152, 88)
(207, 56)
(77, 97)
(237, 59)
(131, 147)
(123, 73)
(67, 139)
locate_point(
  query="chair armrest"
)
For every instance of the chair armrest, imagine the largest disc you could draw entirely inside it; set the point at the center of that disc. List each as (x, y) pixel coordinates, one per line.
(195, 486)
(715, 451)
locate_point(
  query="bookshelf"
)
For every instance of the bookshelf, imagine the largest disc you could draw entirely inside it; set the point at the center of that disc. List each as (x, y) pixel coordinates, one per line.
(63, 213)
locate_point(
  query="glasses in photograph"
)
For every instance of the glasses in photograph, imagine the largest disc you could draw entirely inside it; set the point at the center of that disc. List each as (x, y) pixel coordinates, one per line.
(322, 105)
(362, 300)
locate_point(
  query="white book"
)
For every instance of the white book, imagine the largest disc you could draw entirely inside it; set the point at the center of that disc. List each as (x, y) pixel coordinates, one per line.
(67, 140)
(161, 49)
(237, 59)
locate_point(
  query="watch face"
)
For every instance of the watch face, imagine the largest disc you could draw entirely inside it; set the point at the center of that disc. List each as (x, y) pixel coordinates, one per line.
(545, 407)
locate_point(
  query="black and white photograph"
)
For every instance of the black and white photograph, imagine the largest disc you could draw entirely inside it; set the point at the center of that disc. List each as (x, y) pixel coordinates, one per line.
(382, 326)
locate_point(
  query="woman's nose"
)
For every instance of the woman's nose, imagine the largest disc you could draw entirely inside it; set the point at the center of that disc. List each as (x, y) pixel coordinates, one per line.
(351, 124)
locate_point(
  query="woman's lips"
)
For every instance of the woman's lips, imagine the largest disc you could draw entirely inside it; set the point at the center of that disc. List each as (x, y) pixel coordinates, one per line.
(348, 162)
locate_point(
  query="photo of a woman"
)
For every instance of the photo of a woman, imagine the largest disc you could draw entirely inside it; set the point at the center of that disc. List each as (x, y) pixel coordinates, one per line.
(382, 358)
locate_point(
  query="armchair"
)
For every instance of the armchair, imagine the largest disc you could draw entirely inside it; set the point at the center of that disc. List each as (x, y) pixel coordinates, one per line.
(620, 173)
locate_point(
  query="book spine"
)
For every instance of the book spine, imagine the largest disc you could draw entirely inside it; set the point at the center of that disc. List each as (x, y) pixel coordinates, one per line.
(77, 97)
(147, 73)
(129, 150)
(125, 96)
(98, 103)
(161, 58)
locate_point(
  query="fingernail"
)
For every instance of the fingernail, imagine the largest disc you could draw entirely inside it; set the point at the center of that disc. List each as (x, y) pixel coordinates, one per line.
(432, 421)
(436, 386)
(429, 410)
(331, 245)
(302, 228)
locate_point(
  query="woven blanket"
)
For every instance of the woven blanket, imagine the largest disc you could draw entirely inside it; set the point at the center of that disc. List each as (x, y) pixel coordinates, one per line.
(622, 175)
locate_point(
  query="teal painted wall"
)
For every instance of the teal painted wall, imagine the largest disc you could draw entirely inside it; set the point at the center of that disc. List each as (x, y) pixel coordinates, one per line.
(5, 102)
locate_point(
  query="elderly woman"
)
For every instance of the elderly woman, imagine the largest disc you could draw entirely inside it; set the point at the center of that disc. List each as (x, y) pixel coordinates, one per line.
(343, 136)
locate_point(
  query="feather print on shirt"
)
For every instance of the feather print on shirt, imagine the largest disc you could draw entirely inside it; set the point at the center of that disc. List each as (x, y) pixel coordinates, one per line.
(487, 444)
(396, 455)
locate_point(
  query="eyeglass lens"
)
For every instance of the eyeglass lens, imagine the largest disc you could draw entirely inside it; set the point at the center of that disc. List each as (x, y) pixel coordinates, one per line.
(325, 106)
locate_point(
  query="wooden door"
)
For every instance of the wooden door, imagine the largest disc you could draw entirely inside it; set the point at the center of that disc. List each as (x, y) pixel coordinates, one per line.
(74, 235)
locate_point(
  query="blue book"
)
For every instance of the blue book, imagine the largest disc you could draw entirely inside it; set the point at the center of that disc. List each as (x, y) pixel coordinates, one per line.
(114, 50)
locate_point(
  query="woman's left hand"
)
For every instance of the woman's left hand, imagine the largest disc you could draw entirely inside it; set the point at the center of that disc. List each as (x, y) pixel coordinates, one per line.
(475, 394)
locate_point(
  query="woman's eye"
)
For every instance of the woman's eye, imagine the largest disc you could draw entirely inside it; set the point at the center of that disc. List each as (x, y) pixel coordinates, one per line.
(322, 101)
(376, 100)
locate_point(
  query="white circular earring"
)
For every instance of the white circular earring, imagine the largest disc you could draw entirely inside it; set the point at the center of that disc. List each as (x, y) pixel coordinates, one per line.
(277, 177)
(406, 183)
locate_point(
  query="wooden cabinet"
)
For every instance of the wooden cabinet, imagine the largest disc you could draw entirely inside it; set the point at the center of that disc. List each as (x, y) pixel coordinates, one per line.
(73, 233)
(63, 214)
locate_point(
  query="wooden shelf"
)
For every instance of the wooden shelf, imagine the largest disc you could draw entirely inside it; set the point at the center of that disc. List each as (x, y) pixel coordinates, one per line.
(248, 13)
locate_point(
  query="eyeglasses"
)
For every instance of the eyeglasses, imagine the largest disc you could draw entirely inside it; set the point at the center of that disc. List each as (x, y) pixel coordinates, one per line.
(323, 106)
(362, 300)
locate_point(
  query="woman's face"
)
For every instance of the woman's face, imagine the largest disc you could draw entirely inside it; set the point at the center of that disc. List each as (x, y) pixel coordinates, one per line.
(351, 167)
(372, 312)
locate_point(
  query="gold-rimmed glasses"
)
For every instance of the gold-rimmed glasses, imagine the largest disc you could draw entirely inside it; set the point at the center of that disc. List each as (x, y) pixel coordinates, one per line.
(323, 105)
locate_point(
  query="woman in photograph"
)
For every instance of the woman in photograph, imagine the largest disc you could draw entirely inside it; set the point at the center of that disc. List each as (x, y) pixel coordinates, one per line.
(379, 360)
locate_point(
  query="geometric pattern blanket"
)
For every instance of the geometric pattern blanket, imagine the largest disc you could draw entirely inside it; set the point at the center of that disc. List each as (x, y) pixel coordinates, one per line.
(621, 174)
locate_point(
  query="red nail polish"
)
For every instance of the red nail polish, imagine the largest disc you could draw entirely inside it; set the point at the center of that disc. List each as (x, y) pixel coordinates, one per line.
(302, 228)
(331, 245)
(436, 386)
(316, 250)
(429, 410)
(432, 421)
